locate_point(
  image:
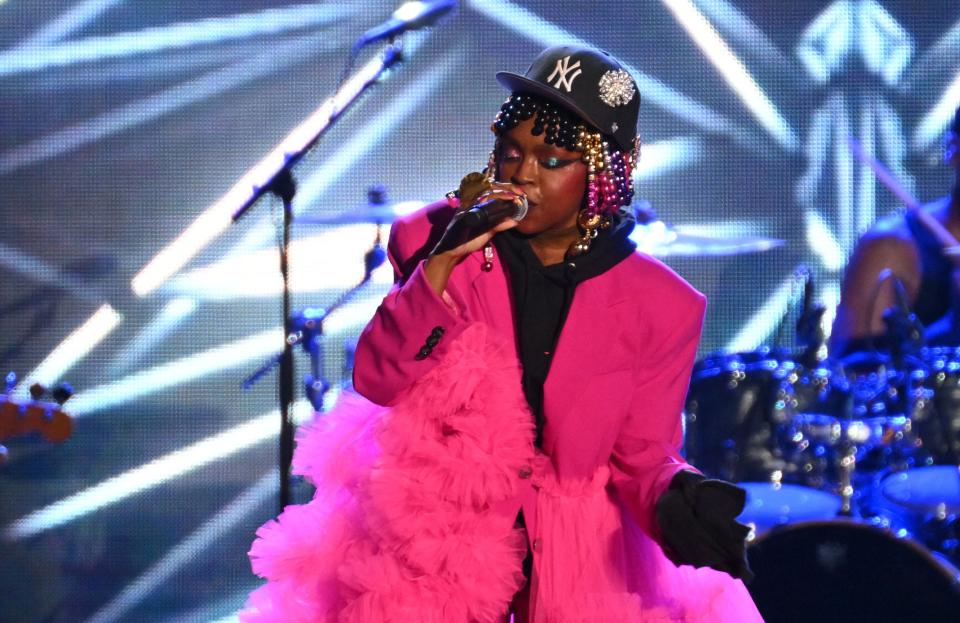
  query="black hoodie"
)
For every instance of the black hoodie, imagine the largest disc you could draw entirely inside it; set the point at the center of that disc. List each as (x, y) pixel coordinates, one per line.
(542, 297)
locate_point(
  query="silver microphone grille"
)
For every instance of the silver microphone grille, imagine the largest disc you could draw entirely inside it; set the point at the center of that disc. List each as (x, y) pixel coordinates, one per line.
(522, 207)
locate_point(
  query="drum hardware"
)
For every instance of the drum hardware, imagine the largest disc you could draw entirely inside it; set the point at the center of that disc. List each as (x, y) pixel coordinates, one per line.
(762, 419)
(729, 433)
(934, 394)
(858, 437)
(306, 325)
(809, 331)
(848, 466)
(375, 210)
(766, 419)
(905, 332)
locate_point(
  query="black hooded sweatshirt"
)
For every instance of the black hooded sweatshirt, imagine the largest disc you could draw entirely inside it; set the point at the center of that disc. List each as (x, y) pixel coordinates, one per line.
(542, 296)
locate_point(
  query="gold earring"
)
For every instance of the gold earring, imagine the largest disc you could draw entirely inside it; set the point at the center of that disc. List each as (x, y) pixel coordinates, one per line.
(590, 223)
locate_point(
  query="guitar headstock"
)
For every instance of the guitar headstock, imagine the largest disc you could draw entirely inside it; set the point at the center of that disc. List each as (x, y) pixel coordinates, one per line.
(39, 414)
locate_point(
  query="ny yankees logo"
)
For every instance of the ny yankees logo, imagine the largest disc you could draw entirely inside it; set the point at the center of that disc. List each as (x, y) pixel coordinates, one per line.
(563, 74)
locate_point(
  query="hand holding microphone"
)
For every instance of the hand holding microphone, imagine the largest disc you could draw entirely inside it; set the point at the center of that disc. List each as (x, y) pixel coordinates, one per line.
(486, 216)
(486, 210)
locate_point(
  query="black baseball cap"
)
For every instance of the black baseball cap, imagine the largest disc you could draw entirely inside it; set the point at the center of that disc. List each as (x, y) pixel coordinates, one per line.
(588, 82)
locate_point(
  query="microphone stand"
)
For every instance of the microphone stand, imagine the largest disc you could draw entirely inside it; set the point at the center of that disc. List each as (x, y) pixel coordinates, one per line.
(308, 330)
(274, 175)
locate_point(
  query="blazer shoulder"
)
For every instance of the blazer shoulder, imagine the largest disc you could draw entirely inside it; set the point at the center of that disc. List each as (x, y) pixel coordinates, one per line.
(658, 284)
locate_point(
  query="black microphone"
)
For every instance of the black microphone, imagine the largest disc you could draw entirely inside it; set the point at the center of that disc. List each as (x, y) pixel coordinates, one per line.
(809, 329)
(425, 15)
(479, 219)
(905, 332)
(808, 293)
(900, 293)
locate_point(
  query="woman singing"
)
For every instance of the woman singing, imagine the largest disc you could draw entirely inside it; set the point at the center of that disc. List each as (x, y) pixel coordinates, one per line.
(519, 453)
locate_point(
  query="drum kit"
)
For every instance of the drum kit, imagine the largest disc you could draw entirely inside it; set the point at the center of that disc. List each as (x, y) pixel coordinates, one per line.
(830, 450)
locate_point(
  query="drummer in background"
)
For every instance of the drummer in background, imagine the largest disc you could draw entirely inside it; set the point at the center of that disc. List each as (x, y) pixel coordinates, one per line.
(903, 247)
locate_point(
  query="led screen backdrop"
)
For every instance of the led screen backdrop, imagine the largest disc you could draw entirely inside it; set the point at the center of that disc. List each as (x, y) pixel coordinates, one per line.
(123, 122)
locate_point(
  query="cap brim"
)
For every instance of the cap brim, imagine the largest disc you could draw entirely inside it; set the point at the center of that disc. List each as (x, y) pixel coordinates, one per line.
(515, 82)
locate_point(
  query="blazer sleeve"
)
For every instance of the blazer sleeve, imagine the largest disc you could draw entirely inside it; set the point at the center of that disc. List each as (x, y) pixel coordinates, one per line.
(646, 454)
(410, 330)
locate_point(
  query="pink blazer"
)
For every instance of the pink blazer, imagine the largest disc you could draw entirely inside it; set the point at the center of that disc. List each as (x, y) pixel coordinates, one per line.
(621, 368)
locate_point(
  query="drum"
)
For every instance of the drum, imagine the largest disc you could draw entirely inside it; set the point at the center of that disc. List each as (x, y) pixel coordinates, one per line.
(770, 505)
(810, 446)
(877, 387)
(842, 571)
(745, 423)
(730, 432)
(923, 504)
(882, 443)
(761, 417)
(765, 421)
(934, 392)
(822, 388)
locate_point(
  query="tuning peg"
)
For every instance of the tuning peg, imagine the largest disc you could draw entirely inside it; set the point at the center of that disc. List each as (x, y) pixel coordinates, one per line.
(62, 393)
(37, 391)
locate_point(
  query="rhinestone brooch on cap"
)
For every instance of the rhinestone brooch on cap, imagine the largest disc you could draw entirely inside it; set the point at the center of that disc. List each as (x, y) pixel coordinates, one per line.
(616, 88)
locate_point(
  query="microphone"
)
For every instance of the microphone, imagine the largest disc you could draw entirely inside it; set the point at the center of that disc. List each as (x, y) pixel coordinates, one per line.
(410, 16)
(905, 332)
(479, 219)
(808, 293)
(809, 330)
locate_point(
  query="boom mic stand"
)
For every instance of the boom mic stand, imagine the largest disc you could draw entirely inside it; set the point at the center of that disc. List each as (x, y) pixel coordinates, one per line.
(274, 175)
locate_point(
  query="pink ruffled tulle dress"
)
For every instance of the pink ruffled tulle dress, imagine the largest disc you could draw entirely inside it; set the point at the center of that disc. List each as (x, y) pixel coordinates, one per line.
(403, 526)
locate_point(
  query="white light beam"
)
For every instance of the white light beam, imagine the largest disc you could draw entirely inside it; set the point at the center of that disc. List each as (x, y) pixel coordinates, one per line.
(186, 551)
(742, 31)
(765, 319)
(175, 36)
(217, 217)
(183, 370)
(155, 106)
(733, 72)
(36, 269)
(822, 241)
(535, 28)
(156, 472)
(253, 348)
(667, 156)
(169, 318)
(933, 124)
(72, 349)
(80, 15)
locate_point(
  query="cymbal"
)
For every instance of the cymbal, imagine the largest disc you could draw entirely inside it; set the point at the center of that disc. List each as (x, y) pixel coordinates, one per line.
(378, 214)
(662, 240)
(654, 237)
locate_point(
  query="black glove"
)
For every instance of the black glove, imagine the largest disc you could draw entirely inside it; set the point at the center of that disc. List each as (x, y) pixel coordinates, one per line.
(698, 520)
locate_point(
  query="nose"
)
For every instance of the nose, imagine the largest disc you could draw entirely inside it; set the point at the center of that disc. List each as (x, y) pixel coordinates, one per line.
(525, 172)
